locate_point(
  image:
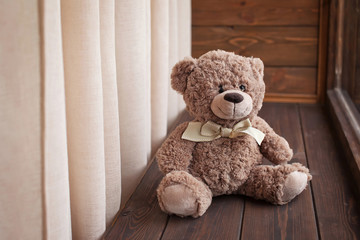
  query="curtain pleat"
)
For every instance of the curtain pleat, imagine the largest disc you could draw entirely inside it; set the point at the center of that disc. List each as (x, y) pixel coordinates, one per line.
(132, 70)
(84, 115)
(179, 47)
(184, 37)
(173, 97)
(149, 51)
(57, 220)
(111, 115)
(159, 70)
(184, 28)
(85, 101)
(21, 204)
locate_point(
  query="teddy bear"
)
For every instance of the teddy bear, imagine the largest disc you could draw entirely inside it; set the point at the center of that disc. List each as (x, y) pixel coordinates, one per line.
(221, 150)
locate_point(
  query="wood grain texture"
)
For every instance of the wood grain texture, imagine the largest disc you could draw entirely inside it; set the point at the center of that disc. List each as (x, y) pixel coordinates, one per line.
(322, 49)
(337, 45)
(337, 212)
(284, 34)
(332, 45)
(356, 96)
(290, 80)
(141, 217)
(336, 206)
(276, 46)
(290, 98)
(221, 221)
(295, 220)
(350, 28)
(255, 12)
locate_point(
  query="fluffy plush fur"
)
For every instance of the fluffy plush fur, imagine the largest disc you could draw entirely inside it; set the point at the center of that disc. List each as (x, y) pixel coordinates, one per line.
(224, 88)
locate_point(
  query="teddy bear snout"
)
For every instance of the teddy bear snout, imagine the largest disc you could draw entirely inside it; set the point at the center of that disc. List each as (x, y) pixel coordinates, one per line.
(233, 97)
(231, 104)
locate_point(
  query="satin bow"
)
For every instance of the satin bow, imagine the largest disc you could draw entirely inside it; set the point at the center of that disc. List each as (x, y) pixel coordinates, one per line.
(198, 132)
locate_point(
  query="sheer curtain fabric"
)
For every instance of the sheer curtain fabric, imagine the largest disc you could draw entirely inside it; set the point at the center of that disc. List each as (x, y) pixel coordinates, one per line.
(85, 99)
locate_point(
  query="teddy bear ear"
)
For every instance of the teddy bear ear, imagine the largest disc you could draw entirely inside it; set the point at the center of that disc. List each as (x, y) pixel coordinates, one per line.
(258, 66)
(180, 73)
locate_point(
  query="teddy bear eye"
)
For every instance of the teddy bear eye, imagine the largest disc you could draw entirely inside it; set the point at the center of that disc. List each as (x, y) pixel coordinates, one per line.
(221, 89)
(242, 87)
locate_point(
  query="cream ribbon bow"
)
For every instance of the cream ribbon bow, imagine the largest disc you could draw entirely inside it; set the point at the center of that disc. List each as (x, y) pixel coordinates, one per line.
(198, 132)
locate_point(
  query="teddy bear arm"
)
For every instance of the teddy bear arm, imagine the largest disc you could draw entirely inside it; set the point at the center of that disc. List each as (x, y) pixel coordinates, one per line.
(175, 153)
(274, 147)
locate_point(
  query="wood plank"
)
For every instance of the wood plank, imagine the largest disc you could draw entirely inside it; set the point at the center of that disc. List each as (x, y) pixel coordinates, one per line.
(336, 206)
(276, 46)
(323, 49)
(290, 80)
(295, 220)
(350, 35)
(141, 217)
(332, 43)
(255, 12)
(221, 221)
(290, 98)
(357, 70)
(356, 96)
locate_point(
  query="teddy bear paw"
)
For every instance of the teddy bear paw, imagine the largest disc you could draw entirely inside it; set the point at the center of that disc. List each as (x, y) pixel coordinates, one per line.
(180, 200)
(295, 183)
(182, 194)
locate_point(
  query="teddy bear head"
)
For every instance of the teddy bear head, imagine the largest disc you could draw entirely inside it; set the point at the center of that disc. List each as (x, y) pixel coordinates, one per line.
(220, 86)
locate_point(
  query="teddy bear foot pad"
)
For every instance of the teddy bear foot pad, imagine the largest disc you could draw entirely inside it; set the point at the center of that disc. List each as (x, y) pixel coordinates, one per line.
(182, 194)
(295, 183)
(180, 200)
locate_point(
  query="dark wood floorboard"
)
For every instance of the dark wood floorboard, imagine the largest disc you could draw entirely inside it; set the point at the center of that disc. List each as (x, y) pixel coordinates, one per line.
(295, 220)
(221, 221)
(141, 217)
(336, 207)
(326, 210)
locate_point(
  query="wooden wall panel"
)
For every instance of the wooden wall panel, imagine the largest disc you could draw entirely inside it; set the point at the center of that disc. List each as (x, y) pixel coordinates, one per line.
(357, 86)
(283, 33)
(357, 76)
(351, 54)
(290, 80)
(350, 32)
(276, 46)
(255, 12)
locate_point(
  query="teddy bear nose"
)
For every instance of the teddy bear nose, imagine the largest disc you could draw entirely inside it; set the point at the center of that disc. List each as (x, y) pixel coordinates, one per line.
(233, 97)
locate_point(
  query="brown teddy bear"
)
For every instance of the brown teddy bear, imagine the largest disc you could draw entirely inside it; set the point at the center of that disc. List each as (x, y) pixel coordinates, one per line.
(221, 150)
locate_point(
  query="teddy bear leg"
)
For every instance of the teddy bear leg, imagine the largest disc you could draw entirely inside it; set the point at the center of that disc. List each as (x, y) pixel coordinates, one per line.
(276, 184)
(184, 195)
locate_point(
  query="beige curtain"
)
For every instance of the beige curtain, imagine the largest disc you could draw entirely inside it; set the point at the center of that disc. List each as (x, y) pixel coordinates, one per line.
(85, 100)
